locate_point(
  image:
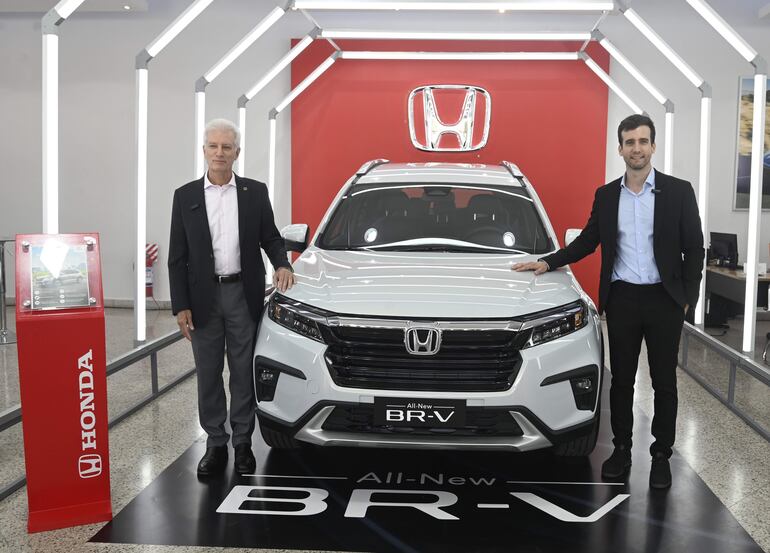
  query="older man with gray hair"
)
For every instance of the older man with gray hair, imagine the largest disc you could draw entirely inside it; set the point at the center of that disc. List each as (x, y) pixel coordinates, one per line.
(218, 225)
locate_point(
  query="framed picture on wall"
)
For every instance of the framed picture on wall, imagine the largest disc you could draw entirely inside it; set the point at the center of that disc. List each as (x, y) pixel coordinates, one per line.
(743, 161)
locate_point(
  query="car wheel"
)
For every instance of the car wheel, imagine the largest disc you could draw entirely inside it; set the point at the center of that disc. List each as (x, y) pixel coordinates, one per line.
(582, 446)
(278, 440)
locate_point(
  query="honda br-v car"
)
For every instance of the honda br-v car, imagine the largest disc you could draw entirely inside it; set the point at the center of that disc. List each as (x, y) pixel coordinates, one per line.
(407, 327)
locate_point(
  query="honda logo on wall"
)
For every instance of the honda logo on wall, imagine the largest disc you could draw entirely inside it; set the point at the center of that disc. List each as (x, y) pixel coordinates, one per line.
(443, 118)
(422, 340)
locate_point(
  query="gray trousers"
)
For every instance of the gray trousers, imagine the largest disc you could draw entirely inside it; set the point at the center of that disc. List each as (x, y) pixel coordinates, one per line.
(230, 328)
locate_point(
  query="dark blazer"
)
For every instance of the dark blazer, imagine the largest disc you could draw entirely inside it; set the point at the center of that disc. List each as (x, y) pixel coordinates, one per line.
(191, 254)
(677, 238)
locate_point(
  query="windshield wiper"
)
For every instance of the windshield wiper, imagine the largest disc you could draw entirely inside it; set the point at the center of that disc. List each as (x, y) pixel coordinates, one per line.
(442, 248)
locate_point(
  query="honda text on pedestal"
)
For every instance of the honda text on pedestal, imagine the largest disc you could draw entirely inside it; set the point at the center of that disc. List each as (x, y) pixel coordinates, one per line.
(407, 327)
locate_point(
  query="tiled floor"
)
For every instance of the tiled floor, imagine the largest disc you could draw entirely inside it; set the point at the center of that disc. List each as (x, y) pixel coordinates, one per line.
(730, 457)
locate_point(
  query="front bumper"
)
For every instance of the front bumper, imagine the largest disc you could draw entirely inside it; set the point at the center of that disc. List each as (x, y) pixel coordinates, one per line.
(305, 397)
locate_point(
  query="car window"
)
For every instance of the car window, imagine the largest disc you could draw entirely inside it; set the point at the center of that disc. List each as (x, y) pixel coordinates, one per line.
(422, 217)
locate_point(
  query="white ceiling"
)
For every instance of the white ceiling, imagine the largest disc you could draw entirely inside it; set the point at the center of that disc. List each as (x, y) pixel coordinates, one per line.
(42, 6)
(732, 10)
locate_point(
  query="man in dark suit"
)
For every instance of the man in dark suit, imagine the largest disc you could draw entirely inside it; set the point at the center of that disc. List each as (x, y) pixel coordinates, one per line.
(652, 261)
(218, 225)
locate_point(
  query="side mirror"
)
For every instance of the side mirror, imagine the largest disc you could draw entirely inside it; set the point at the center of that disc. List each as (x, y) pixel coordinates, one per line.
(295, 237)
(570, 235)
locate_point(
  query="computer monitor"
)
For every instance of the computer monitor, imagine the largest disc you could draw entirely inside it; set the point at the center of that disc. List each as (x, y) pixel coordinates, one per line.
(724, 249)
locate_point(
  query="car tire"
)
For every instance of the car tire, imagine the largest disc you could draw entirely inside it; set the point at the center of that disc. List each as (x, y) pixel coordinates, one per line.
(278, 440)
(582, 446)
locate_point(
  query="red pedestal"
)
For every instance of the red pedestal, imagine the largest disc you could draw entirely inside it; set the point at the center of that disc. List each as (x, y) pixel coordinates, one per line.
(63, 381)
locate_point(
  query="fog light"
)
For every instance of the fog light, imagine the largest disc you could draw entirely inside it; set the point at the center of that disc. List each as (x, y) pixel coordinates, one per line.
(584, 391)
(267, 379)
(583, 384)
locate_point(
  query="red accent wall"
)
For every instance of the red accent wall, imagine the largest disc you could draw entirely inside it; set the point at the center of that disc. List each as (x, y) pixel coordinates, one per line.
(548, 117)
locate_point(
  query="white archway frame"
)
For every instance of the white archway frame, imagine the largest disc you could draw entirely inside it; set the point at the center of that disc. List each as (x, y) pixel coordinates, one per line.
(700, 5)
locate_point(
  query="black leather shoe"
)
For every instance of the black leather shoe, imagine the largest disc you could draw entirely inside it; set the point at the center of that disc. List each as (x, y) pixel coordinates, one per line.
(618, 463)
(214, 461)
(245, 463)
(660, 472)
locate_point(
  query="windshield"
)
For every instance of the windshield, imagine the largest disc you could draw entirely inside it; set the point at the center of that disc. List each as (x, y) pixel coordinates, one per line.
(436, 217)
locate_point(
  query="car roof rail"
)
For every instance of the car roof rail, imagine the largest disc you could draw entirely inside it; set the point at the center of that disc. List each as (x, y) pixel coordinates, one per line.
(369, 165)
(513, 169)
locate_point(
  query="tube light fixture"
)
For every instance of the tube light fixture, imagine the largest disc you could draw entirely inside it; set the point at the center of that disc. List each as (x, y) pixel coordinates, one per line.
(663, 48)
(632, 69)
(513, 56)
(142, 91)
(66, 7)
(50, 111)
(280, 66)
(612, 84)
(271, 161)
(724, 29)
(177, 26)
(755, 209)
(317, 72)
(596, 6)
(142, 88)
(50, 134)
(431, 35)
(668, 137)
(242, 128)
(200, 86)
(703, 190)
(244, 43)
(200, 125)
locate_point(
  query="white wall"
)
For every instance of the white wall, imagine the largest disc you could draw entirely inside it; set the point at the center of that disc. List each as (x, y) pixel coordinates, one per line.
(97, 107)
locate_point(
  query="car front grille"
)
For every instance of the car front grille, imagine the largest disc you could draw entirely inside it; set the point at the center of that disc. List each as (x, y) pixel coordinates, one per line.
(468, 360)
(478, 422)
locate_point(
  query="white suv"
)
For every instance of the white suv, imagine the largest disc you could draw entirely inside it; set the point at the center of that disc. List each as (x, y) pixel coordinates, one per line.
(407, 327)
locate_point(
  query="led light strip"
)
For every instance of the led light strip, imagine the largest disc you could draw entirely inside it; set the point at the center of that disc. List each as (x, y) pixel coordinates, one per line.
(431, 35)
(512, 56)
(454, 6)
(612, 84)
(663, 48)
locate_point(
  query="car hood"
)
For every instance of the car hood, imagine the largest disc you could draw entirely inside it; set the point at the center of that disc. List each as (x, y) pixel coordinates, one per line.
(427, 284)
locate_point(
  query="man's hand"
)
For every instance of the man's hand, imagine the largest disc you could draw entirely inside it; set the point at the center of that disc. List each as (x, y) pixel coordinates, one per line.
(283, 279)
(539, 267)
(184, 320)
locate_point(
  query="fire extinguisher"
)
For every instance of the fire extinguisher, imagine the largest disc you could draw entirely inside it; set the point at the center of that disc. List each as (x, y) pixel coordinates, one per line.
(151, 256)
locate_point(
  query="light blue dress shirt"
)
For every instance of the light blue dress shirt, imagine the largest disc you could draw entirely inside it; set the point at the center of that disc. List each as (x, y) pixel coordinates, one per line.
(635, 259)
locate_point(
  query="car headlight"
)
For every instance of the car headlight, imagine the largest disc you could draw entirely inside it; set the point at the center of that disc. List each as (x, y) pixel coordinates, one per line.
(555, 323)
(297, 317)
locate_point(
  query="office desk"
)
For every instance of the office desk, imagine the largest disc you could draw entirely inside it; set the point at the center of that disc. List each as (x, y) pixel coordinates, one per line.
(731, 284)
